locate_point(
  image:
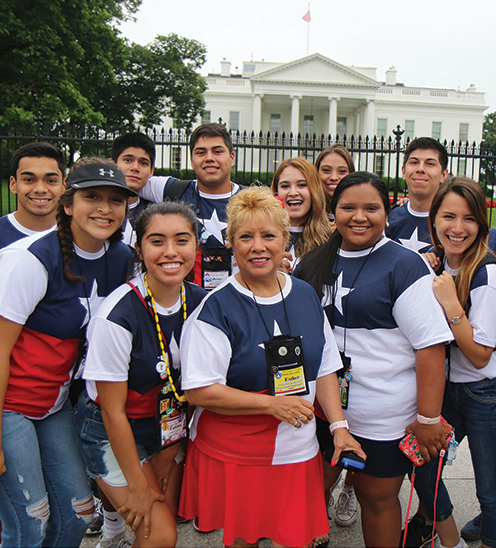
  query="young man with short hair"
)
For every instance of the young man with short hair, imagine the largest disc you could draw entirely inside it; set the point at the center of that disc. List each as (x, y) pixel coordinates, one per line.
(212, 158)
(37, 178)
(424, 169)
(134, 154)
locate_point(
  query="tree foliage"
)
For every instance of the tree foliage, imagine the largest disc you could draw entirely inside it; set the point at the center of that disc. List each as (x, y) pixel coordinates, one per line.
(489, 130)
(488, 164)
(159, 79)
(66, 61)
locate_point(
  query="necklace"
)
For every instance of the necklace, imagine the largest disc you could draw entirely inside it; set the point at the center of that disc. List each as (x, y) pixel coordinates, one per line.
(164, 348)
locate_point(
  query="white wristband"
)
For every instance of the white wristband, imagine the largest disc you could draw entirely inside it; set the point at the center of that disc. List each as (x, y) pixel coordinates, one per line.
(428, 420)
(338, 424)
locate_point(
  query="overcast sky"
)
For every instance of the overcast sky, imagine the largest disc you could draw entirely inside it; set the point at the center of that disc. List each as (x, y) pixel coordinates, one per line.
(432, 43)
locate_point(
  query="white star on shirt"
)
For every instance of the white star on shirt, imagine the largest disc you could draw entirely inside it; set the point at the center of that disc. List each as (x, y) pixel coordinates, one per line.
(93, 301)
(414, 243)
(341, 292)
(174, 350)
(213, 226)
(277, 331)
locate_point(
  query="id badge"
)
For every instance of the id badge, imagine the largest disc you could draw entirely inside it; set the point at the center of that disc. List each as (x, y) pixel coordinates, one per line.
(81, 360)
(172, 419)
(344, 377)
(216, 266)
(286, 366)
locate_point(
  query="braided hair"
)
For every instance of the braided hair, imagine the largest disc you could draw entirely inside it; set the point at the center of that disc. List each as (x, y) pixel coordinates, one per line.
(64, 231)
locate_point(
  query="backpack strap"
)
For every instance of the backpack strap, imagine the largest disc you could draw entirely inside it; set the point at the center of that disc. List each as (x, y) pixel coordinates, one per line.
(177, 188)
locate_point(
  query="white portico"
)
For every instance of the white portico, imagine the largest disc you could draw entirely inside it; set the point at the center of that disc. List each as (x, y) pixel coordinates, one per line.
(313, 90)
(318, 95)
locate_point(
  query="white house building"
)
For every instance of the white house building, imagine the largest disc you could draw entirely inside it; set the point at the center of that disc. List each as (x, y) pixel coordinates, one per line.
(315, 94)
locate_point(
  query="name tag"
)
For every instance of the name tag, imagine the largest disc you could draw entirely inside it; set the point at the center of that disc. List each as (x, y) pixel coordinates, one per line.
(286, 366)
(172, 419)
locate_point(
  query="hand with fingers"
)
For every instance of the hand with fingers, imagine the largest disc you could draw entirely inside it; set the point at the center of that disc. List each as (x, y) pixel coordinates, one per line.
(292, 409)
(433, 260)
(138, 507)
(431, 438)
(285, 265)
(344, 441)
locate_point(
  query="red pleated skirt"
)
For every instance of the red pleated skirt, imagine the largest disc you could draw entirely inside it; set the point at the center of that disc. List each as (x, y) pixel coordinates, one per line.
(282, 502)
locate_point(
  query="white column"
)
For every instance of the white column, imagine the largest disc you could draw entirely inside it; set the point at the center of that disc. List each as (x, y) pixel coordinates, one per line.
(369, 122)
(257, 113)
(295, 114)
(356, 130)
(333, 116)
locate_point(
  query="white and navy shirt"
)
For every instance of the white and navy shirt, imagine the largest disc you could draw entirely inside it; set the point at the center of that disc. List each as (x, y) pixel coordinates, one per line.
(222, 343)
(133, 212)
(210, 209)
(295, 236)
(54, 313)
(123, 344)
(11, 230)
(482, 318)
(385, 300)
(409, 228)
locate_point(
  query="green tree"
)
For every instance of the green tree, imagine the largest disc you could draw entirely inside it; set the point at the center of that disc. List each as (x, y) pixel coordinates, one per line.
(159, 79)
(55, 55)
(488, 151)
(65, 61)
(489, 130)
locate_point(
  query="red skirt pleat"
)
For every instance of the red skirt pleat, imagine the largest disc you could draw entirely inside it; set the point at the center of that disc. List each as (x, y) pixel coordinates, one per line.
(282, 502)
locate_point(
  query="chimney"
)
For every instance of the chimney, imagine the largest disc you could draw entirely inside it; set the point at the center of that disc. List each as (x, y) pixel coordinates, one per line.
(225, 67)
(391, 76)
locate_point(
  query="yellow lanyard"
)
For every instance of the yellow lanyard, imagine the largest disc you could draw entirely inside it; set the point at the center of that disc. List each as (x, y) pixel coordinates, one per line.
(161, 339)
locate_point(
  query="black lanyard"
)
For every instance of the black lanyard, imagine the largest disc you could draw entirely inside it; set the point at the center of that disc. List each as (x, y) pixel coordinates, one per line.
(334, 277)
(260, 312)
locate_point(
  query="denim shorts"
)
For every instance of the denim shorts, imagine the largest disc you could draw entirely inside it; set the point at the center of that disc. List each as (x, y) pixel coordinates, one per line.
(384, 458)
(95, 446)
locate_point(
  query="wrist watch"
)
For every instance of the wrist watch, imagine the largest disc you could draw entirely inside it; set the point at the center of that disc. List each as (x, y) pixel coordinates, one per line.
(457, 319)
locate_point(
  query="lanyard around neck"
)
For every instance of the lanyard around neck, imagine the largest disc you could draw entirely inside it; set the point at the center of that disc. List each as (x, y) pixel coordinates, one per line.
(260, 312)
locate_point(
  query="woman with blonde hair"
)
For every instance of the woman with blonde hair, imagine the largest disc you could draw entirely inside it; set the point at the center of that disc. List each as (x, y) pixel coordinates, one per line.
(254, 355)
(297, 183)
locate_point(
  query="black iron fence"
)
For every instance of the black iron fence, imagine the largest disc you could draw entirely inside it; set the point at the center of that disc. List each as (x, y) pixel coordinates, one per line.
(257, 154)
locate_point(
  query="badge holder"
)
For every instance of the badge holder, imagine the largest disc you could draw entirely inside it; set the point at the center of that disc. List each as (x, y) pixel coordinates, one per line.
(216, 266)
(172, 416)
(344, 377)
(172, 408)
(286, 366)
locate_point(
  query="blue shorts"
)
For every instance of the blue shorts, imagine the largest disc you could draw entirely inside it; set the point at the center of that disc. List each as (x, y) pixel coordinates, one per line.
(384, 458)
(95, 446)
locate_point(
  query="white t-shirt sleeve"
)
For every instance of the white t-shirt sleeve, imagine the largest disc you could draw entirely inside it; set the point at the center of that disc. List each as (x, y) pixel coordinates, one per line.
(331, 360)
(153, 191)
(482, 314)
(23, 284)
(420, 317)
(205, 354)
(109, 351)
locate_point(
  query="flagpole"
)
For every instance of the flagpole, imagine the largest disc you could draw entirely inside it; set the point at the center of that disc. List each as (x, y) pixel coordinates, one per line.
(308, 30)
